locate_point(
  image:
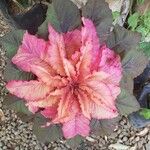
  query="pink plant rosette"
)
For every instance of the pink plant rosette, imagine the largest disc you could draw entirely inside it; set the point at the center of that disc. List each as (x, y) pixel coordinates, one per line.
(77, 78)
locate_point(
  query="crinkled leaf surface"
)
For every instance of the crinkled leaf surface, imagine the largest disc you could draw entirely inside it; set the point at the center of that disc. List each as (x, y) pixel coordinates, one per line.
(11, 42)
(98, 11)
(104, 126)
(121, 39)
(75, 142)
(127, 82)
(127, 103)
(63, 16)
(45, 134)
(13, 73)
(134, 62)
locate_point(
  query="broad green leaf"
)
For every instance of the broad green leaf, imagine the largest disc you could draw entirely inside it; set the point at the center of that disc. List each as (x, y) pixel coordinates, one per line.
(98, 11)
(134, 62)
(133, 20)
(12, 73)
(18, 105)
(115, 14)
(127, 103)
(11, 42)
(63, 15)
(145, 113)
(45, 134)
(145, 46)
(121, 40)
(51, 18)
(75, 142)
(104, 126)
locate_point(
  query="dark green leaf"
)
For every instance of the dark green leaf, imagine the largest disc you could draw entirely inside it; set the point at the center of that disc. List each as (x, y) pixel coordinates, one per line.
(104, 126)
(63, 16)
(98, 11)
(11, 42)
(12, 73)
(45, 134)
(127, 82)
(127, 103)
(51, 17)
(145, 113)
(121, 39)
(75, 142)
(12, 102)
(134, 62)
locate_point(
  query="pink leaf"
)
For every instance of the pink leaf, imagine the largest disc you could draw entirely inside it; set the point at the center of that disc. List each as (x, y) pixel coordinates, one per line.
(32, 48)
(29, 90)
(79, 125)
(90, 53)
(56, 51)
(102, 111)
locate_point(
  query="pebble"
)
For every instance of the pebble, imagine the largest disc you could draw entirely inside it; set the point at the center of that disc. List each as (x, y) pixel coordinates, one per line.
(143, 132)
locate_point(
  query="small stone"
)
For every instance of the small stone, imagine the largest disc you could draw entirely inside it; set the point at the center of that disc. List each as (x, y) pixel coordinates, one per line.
(2, 117)
(133, 147)
(90, 139)
(143, 132)
(119, 146)
(137, 138)
(124, 139)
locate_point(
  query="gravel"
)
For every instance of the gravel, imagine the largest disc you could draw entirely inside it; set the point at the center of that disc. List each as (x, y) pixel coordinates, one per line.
(17, 135)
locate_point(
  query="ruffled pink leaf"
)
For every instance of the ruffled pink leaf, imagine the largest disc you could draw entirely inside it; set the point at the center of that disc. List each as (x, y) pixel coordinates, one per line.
(102, 111)
(32, 48)
(29, 90)
(56, 51)
(63, 107)
(49, 112)
(111, 64)
(72, 42)
(79, 125)
(90, 53)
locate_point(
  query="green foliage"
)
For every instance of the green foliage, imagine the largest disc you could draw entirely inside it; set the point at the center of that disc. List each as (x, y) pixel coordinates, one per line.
(63, 16)
(145, 46)
(145, 113)
(104, 126)
(140, 23)
(133, 20)
(98, 11)
(115, 14)
(74, 142)
(131, 62)
(140, 1)
(127, 103)
(13, 73)
(16, 104)
(121, 39)
(45, 134)
(11, 42)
